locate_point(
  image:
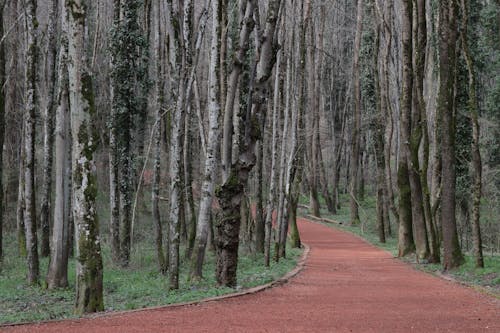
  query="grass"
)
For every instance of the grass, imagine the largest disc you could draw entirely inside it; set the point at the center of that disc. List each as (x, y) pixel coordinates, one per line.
(488, 277)
(138, 286)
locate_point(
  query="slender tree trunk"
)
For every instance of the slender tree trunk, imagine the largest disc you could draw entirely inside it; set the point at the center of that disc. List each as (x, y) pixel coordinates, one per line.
(21, 232)
(379, 140)
(89, 261)
(271, 201)
(211, 159)
(447, 66)
(415, 173)
(30, 125)
(356, 132)
(259, 205)
(188, 178)
(57, 276)
(48, 129)
(177, 151)
(114, 175)
(2, 125)
(476, 153)
(406, 243)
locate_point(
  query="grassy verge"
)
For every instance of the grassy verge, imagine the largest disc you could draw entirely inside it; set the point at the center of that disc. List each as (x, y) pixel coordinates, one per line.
(139, 286)
(487, 279)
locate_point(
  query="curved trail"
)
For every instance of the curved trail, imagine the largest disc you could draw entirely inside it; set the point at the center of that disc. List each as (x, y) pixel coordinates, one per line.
(346, 286)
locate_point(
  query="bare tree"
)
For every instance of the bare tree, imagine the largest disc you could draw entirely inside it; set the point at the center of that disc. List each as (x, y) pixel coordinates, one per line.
(29, 143)
(82, 108)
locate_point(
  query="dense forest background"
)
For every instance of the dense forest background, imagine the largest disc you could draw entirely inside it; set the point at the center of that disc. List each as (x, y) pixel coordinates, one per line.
(188, 125)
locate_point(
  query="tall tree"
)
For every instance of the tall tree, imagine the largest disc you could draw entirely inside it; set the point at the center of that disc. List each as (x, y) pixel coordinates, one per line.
(114, 174)
(452, 254)
(476, 153)
(48, 128)
(213, 145)
(416, 132)
(406, 243)
(356, 131)
(82, 108)
(57, 275)
(2, 124)
(231, 192)
(29, 143)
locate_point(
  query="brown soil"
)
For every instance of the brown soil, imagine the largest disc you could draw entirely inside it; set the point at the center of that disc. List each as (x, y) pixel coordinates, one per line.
(346, 286)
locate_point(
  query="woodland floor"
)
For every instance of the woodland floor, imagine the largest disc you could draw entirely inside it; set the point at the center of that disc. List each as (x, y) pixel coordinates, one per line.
(347, 286)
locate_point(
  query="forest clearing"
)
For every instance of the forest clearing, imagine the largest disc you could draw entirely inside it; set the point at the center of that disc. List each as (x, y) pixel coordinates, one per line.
(157, 152)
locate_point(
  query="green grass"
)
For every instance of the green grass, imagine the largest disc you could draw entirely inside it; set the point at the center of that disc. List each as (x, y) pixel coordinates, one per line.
(488, 277)
(137, 287)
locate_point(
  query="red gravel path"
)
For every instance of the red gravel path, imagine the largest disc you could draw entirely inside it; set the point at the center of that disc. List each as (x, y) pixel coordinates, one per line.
(346, 286)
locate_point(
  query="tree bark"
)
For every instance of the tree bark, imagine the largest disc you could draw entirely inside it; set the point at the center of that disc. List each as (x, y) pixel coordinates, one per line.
(29, 143)
(356, 132)
(57, 276)
(452, 257)
(476, 153)
(2, 125)
(114, 173)
(88, 252)
(231, 192)
(418, 108)
(48, 129)
(406, 243)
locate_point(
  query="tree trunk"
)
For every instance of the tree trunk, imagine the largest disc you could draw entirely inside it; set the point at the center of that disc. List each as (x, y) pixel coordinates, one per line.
(406, 243)
(415, 173)
(446, 107)
(259, 205)
(230, 193)
(379, 139)
(48, 129)
(29, 143)
(89, 261)
(356, 132)
(2, 126)
(114, 175)
(21, 232)
(271, 201)
(57, 276)
(476, 153)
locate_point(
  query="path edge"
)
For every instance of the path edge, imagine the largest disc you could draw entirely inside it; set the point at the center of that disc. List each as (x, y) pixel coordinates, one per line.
(301, 264)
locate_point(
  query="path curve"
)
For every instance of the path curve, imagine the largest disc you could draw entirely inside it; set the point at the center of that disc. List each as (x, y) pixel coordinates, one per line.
(346, 286)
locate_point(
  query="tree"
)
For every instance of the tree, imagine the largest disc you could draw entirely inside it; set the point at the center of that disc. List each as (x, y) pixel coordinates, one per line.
(356, 131)
(231, 192)
(213, 145)
(29, 143)
(476, 153)
(82, 108)
(2, 125)
(48, 129)
(452, 254)
(406, 243)
(57, 276)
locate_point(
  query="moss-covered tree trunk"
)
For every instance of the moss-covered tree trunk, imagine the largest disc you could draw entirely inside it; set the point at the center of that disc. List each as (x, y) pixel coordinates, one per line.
(231, 192)
(406, 243)
(48, 128)
(452, 254)
(2, 126)
(82, 108)
(476, 153)
(31, 100)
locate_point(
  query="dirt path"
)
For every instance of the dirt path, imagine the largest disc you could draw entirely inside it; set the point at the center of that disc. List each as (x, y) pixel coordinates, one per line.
(347, 286)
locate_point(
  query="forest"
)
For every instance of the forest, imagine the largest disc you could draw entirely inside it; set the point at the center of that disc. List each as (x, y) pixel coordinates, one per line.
(185, 138)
